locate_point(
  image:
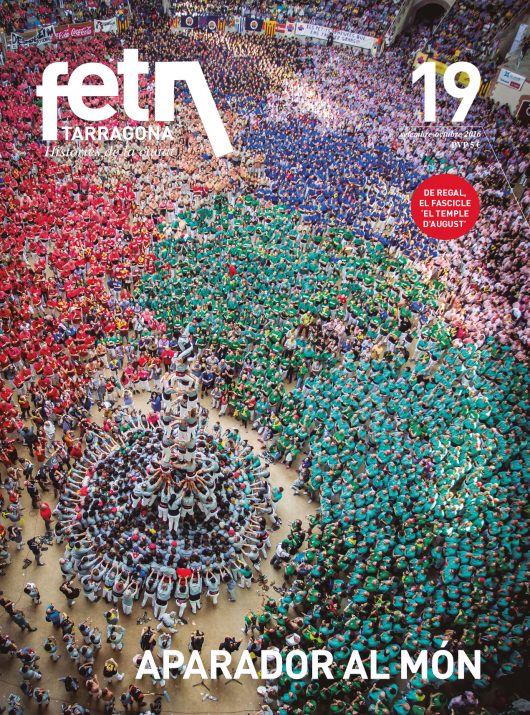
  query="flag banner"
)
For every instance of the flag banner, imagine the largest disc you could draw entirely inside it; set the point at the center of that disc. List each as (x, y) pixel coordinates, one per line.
(319, 32)
(518, 39)
(40, 36)
(122, 20)
(511, 79)
(269, 27)
(189, 22)
(484, 90)
(221, 24)
(285, 28)
(353, 39)
(74, 32)
(106, 25)
(210, 22)
(253, 24)
(341, 37)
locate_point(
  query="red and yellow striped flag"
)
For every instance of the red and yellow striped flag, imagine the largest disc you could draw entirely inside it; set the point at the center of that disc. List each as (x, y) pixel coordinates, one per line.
(269, 28)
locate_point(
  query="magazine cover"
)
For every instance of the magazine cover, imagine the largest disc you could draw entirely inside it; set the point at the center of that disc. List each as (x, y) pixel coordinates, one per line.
(264, 346)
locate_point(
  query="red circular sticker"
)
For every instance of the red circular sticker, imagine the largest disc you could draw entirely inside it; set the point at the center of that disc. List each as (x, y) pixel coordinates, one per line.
(445, 206)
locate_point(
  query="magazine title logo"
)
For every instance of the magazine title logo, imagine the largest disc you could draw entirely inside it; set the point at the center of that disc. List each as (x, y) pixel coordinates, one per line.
(166, 74)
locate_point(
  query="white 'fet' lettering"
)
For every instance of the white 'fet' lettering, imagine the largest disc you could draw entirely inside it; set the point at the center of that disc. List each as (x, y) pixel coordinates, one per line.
(166, 74)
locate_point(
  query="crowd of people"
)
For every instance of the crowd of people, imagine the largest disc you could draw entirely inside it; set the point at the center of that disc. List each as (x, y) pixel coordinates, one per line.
(21, 17)
(323, 125)
(466, 31)
(158, 508)
(471, 32)
(288, 286)
(360, 16)
(404, 464)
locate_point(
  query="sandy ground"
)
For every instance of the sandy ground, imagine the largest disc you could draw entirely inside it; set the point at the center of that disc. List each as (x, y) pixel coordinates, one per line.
(225, 619)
